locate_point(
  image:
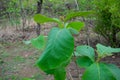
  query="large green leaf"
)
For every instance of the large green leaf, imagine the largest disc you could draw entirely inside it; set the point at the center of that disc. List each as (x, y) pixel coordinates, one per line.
(76, 25)
(85, 50)
(114, 70)
(43, 19)
(98, 71)
(78, 14)
(58, 50)
(84, 62)
(104, 51)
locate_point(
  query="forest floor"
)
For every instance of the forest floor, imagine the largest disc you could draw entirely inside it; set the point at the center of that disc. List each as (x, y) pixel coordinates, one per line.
(17, 60)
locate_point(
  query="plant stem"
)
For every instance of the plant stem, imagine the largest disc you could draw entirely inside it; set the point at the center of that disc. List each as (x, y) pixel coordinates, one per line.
(98, 57)
(76, 63)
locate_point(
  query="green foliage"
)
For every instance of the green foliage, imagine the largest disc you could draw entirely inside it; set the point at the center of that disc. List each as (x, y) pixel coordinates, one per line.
(104, 51)
(76, 25)
(101, 71)
(108, 18)
(38, 42)
(53, 7)
(85, 5)
(59, 46)
(57, 53)
(43, 19)
(86, 51)
(61, 22)
(58, 50)
(60, 74)
(27, 79)
(78, 14)
(19, 59)
(84, 61)
(13, 10)
(114, 70)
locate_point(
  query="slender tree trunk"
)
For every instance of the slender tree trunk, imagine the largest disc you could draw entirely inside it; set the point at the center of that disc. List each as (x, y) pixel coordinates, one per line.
(39, 7)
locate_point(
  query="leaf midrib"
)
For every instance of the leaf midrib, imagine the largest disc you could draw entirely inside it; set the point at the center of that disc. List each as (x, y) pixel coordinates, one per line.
(98, 71)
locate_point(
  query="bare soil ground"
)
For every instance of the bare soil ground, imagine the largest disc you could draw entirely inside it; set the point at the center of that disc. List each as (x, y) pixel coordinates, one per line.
(17, 60)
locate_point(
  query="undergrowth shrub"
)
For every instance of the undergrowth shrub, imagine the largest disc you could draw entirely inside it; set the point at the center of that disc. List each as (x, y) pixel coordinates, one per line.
(108, 20)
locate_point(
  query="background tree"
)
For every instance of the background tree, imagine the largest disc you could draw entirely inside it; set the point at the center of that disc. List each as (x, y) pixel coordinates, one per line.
(39, 7)
(108, 18)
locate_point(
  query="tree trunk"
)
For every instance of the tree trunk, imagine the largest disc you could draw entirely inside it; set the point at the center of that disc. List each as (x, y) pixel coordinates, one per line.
(39, 7)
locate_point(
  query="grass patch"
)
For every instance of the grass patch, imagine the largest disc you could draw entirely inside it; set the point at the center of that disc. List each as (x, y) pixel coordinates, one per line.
(13, 55)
